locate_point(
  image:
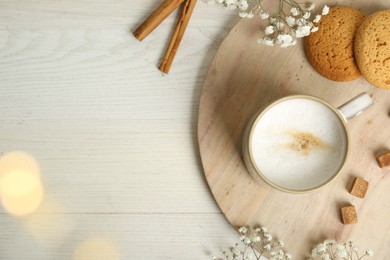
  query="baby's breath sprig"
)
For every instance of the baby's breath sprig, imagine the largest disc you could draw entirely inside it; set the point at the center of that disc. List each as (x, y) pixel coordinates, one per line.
(284, 28)
(256, 243)
(330, 250)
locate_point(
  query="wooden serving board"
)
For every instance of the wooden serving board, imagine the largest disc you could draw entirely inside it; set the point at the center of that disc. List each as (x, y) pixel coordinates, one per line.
(245, 76)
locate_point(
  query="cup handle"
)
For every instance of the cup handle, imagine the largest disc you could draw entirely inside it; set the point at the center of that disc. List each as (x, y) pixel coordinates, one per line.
(355, 106)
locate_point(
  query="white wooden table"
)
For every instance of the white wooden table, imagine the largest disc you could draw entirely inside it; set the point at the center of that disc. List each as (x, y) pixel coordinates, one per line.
(115, 139)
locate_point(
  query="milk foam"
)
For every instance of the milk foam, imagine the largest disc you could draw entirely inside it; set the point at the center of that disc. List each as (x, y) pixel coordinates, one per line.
(298, 143)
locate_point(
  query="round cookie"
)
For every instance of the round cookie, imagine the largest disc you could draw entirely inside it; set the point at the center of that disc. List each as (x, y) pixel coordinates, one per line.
(330, 49)
(372, 49)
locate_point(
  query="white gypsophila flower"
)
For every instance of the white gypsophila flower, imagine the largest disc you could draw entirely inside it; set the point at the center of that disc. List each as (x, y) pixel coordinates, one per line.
(267, 247)
(270, 29)
(290, 21)
(288, 256)
(302, 31)
(317, 18)
(263, 14)
(314, 252)
(281, 243)
(340, 251)
(285, 41)
(243, 230)
(249, 241)
(294, 11)
(266, 41)
(299, 33)
(243, 5)
(369, 252)
(321, 248)
(306, 15)
(299, 23)
(325, 10)
(268, 236)
(341, 254)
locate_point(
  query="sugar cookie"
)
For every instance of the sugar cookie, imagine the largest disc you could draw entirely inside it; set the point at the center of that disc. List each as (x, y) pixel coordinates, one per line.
(330, 49)
(372, 49)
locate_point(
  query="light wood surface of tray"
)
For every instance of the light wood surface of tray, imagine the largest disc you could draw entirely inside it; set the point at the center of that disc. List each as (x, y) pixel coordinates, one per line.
(245, 76)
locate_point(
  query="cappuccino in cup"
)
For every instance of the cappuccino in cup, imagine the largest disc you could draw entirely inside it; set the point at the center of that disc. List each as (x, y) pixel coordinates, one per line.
(299, 143)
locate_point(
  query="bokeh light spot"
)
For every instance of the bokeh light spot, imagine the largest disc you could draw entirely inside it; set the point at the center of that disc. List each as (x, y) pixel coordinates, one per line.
(96, 248)
(21, 190)
(51, 224)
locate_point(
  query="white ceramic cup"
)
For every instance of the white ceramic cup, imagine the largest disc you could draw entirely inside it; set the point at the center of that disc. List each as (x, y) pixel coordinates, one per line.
(300, 143)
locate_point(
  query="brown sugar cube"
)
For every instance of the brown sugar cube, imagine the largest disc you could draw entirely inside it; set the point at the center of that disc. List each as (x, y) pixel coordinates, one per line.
(359, 187)
(383, 159)
(349, 215)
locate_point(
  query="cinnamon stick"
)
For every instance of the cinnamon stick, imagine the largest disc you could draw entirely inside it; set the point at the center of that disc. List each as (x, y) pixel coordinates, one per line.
(156, 18)
(177, 36)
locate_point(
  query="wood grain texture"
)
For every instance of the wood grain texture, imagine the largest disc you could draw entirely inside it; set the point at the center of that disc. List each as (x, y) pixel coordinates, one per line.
(115, 139)
(243, 78)
(131, 236)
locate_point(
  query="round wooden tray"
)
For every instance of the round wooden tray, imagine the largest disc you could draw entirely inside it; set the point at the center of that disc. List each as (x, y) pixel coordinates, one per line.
(243, 77)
